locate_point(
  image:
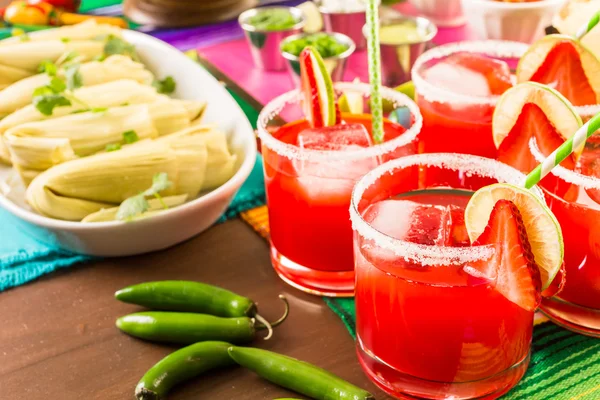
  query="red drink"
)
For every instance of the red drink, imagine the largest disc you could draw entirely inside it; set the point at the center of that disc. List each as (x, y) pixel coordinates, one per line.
(309, 176)
(574, 198)
(457, 87)
(429, 325)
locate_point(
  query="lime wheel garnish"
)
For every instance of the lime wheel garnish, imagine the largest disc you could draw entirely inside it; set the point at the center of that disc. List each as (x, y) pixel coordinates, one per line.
(566, 64)
(533, 110)
(538, 230)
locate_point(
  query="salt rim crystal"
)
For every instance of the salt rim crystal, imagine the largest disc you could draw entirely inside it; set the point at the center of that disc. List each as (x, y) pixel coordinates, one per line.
(293, 152)
(587, 182)
(427, 255)
(493, 48)
(587, 112)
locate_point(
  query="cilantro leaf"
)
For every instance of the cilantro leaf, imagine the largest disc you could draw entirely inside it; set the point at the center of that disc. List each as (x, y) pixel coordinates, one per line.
(160, 182)
(130, 137)
(99, 109)
(57, 85)
(46, 98)
(47, 67)
(74, 78)
(138, 204)
(113, 147)
(132, 207)
(115, 45)
(166, 86)
(46, 103)
(65, 40)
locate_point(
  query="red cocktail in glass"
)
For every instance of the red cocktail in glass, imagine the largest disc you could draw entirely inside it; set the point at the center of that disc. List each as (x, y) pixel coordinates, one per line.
(309, 179)
(457, 88)
(429, 323)
(574, 198)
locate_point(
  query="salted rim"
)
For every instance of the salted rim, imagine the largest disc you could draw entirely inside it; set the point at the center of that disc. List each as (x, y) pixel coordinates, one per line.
(587, 111)
(587, 182)
(534, 5)
(494, 48)
(427, 255)
(293, 152)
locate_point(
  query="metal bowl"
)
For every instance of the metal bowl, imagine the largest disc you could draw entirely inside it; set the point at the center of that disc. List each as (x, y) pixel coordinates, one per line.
(397, 59)
(336, 65)
(265, 44)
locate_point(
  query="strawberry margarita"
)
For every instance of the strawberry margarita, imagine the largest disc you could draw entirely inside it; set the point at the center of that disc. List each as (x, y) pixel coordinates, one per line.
(457, 87)
(439, 317)
(574, 197)
(309, 176)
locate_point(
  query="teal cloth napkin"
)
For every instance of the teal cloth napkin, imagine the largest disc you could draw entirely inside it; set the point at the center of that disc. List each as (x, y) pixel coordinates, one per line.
(23, 258)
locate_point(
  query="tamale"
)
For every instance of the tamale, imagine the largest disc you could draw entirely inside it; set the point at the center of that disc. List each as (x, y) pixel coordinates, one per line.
(19, 94)
(105, 95)
(156, 207)
(28, 55)
(89, 29)
(78, 188)
(87, 133)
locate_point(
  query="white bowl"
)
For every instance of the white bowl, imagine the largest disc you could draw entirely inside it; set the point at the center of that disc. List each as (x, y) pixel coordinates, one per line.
(521, 22)
(444, 13)
(172, 226)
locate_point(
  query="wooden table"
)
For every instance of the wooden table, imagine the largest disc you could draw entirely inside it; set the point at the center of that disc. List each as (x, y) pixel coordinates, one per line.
(58, 339)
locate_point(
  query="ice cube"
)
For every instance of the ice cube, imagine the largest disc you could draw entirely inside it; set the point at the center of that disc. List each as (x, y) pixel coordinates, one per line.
(416, 222)
(470, 74)
(341, 137)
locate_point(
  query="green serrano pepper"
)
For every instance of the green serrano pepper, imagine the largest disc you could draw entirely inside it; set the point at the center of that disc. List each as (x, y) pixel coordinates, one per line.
(299, 376)
(180, 366)
(188, 328)
(188, 296)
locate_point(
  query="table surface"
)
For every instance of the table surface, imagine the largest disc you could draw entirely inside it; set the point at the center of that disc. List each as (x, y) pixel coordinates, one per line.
(58, 339)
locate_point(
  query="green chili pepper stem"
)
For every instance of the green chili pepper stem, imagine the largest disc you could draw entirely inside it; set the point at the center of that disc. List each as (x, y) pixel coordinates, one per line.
(298, 376)
(264, 324)
(187, 296)
(186, 328)
(180, 366)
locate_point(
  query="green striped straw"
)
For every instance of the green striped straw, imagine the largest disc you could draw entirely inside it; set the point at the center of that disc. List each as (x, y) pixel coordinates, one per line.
(564, 151)
(375, 70)
(584, 30)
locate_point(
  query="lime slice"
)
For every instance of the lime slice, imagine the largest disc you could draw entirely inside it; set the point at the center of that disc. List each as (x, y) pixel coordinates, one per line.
(314, 21)
(554, 105)
(543, 230)
(408, 89)
(351, 102)
(537, 54)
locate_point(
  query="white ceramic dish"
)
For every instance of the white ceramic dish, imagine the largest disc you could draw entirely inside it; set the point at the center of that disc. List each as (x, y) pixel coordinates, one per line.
(175, 225)
(521, 22)
(444, 13)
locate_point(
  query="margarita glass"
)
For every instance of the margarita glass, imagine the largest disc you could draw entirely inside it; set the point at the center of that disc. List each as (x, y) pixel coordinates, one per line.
(457, 88)
(308, 190)
(429, 325)
(577, 209)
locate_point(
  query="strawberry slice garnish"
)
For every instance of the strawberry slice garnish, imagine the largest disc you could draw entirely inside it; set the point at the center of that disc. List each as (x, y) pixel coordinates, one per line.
(513, 265)
(320, 106)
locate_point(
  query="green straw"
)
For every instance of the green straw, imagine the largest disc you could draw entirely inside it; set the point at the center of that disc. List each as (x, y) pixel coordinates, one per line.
(564, 151)
(374, 70)
(584, 30)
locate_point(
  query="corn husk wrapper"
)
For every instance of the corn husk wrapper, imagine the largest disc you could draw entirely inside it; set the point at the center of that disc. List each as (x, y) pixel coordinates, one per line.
(89, 29)
(9, 75)
(78, 188)
(33, 145)
(155, 207)
(19, 94)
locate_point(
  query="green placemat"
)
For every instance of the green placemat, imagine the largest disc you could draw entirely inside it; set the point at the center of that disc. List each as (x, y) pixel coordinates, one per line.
(564, 365)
